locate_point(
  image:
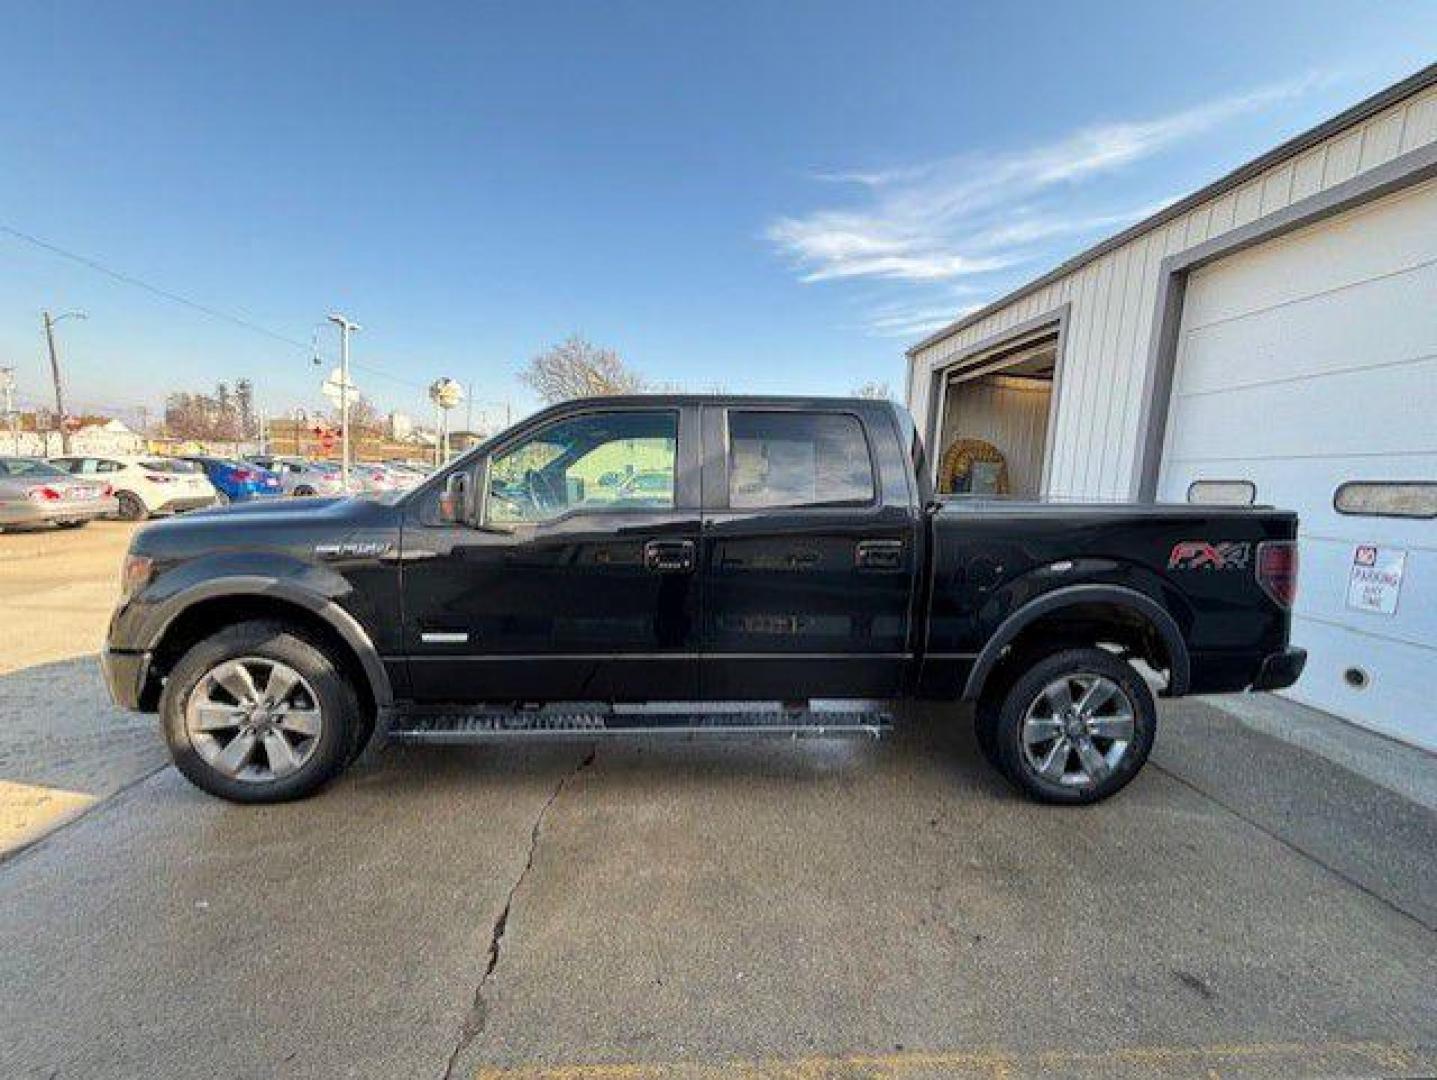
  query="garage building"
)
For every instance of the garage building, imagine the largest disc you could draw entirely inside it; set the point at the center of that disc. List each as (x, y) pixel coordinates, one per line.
(1271, 338)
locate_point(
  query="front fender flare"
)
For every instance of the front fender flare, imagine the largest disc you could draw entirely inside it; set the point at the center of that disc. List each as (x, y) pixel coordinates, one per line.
(258, 585)
(1068, 596)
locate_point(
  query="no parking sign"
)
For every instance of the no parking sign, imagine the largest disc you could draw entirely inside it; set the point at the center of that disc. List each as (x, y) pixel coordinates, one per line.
(1375, 583)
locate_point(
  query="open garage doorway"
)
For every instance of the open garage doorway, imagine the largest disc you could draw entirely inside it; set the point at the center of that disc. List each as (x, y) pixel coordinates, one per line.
(994, 417)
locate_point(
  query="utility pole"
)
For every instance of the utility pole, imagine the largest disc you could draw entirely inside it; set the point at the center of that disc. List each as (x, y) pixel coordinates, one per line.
(55, 373)
(345, 329)
(7, 387)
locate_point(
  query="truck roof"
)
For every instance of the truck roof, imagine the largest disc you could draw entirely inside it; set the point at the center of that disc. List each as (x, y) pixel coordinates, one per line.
(784, 400)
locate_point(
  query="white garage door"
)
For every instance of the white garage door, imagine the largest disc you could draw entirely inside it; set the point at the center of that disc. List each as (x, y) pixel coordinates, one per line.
(1304, 364)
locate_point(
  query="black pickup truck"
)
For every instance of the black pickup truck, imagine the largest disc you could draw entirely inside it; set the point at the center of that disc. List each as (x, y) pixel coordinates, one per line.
(776, 565)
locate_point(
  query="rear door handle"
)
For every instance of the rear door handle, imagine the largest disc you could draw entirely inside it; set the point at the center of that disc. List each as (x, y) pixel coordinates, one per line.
(669, 556)
(879, 556)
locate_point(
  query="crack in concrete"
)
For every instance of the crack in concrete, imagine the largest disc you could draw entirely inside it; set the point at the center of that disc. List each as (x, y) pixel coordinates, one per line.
(474, 1021)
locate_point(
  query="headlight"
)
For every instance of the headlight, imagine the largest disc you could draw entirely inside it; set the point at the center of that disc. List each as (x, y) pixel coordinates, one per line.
(135, 574)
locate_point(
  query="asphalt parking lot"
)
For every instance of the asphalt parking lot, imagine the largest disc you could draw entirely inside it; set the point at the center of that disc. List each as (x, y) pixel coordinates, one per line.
(804, 909)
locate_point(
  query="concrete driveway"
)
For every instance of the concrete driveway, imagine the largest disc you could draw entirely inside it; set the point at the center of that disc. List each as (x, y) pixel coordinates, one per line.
(706, 909)
(712, 908)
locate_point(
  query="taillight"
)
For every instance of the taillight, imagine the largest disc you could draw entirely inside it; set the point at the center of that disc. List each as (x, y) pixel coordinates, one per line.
(243, 476)
(1277, 570)
(43, 493)
(107, 491)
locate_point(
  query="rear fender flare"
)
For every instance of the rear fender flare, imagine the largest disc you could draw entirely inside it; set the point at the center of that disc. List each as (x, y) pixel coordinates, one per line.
(1068, 596)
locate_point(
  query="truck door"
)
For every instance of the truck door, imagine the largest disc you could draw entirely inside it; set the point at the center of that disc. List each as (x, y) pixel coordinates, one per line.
(581, 582)
(808, 555)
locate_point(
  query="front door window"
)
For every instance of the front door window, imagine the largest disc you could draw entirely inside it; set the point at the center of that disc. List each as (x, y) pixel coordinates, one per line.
(601, 462)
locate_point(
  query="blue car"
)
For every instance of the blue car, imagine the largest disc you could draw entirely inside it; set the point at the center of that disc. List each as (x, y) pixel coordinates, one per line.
(238, 481)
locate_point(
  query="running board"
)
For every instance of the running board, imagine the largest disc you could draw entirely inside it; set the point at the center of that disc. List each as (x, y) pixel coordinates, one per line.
(537, 724)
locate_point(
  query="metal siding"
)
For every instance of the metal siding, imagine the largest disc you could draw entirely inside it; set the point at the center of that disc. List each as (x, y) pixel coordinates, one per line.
(1305, 362)
(1096, 438)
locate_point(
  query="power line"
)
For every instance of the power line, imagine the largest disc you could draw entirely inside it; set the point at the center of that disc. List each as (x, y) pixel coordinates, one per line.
(139, 283)
(204, 309)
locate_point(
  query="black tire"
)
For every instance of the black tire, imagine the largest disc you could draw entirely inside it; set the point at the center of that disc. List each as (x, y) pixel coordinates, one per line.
(341, 722)
(71, 524)
(131, 506)
(303, 490)
(1029, 691)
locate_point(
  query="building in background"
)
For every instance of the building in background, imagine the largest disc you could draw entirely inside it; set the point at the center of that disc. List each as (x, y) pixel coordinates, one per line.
(90, 435)
(1270, 338)
(401, 426)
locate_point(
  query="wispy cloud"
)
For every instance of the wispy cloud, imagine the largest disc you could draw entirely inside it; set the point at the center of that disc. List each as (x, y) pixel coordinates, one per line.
(968, 217)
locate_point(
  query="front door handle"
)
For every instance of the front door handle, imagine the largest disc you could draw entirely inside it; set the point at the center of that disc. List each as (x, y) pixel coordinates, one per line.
(879, 556)
(669, 556)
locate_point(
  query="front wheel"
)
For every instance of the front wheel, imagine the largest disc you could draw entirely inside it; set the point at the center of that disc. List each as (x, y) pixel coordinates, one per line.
(1076, 727)
(259, 713)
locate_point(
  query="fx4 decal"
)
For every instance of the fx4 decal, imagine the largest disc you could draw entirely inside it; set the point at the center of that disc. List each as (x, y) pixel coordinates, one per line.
(1207, 555)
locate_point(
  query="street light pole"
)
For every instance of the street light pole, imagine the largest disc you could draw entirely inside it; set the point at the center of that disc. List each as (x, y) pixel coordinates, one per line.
(345, 329)
(55, 373)
(7, 387)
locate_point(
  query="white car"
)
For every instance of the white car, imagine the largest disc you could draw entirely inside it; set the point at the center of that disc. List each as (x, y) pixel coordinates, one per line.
(144, 486)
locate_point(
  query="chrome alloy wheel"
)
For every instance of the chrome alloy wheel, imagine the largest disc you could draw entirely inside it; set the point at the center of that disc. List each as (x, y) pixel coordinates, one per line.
(254, 719)
(1078, 729)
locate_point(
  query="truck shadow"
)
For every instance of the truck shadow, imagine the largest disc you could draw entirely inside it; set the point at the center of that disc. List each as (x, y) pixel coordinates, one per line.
(928, 740)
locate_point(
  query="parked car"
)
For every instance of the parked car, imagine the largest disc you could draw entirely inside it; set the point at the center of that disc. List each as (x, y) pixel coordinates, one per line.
(237, 481)
(797, 554)
(299, 476)
(375, 477)
(33, 491)
(145, 486)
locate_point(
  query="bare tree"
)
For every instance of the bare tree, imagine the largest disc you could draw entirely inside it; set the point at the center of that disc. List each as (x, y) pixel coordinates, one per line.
(244, 405)
(364, 417)
(577, 368)
(874, 391)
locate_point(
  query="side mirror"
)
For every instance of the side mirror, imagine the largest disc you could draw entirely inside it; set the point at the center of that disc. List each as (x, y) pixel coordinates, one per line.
(454, 499)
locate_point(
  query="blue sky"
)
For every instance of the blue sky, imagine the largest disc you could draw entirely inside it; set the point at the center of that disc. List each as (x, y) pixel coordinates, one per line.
(764, 196)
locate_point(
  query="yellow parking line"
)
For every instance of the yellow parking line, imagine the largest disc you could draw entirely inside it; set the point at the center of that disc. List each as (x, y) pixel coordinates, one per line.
(29, 811)
(1197, 1061)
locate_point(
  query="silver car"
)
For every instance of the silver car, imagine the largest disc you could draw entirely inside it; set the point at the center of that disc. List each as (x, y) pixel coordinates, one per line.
(299, 476)
(33, 492)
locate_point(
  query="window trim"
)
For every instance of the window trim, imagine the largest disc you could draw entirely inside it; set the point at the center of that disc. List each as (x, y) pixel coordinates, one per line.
(529, 434)
(723, 494)
(1188, 497)
(1337, 493)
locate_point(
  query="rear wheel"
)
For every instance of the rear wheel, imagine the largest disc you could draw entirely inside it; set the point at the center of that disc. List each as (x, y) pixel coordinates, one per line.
(304, 489)
(259, 713)
(131, 507)
(72, 524)
(1076, 727)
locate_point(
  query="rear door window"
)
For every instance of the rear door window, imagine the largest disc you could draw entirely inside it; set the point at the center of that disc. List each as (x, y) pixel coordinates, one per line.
(797, 459)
